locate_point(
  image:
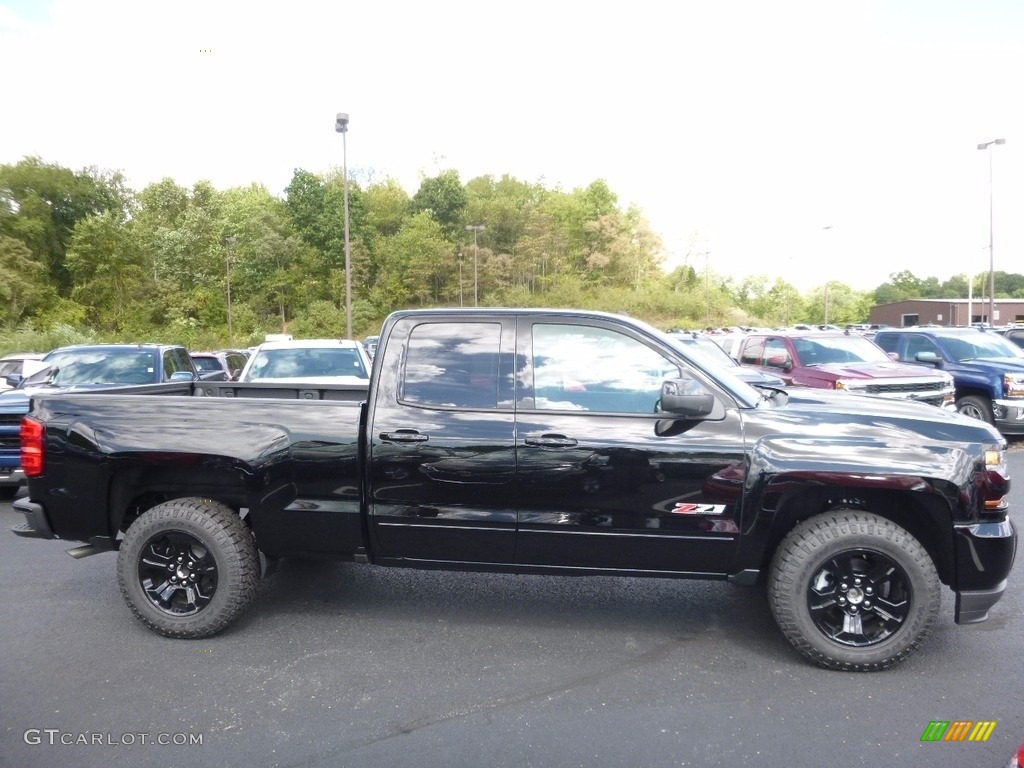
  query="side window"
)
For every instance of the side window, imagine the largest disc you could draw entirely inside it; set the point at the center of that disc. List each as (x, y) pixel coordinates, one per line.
(887, 341)
(776, 354)
(583, 368)
(753, 352)
(176, 360)
(453, 365)
(918, 344)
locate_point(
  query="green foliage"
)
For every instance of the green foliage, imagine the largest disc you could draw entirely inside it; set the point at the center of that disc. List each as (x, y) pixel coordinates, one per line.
(28, 338)
(78, 250)
(444, 198)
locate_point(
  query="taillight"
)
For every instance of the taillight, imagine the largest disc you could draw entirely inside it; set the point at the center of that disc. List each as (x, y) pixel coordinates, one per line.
(31, 434)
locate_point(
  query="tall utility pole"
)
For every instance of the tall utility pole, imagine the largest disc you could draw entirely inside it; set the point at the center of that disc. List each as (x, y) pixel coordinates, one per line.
(230, 242)
(991, 259)
(341, 126)
(475, 229)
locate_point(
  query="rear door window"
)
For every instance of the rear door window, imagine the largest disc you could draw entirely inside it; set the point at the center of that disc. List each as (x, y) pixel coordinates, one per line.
(453, 365)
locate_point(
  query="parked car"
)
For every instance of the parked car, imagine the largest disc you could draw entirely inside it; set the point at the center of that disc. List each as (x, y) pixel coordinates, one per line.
(707, 349)
(219, 366)
(1014, 333)
(310, 361)
(843, 361)
(987, 369)
(370, 345)
(18, 366)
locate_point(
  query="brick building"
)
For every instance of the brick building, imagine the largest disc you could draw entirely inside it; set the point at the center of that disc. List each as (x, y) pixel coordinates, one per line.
(946, 312)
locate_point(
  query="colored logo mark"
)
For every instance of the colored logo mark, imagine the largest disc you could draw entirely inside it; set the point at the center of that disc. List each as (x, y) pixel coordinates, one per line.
(958, 730)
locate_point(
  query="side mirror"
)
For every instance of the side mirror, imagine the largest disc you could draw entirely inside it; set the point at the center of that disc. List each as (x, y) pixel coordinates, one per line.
(14, 379)
(929, 357)
(235, 374)
(182, 376)
(780, 362)
(686, 398)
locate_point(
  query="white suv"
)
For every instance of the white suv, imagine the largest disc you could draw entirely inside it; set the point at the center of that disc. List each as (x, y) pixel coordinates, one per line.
(309, 361)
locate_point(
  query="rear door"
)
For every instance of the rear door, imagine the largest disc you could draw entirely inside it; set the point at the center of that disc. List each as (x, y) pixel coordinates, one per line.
(604, 480)
(441, 441)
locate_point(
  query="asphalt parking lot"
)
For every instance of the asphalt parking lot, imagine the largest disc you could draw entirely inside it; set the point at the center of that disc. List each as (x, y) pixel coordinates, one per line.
(356, 665)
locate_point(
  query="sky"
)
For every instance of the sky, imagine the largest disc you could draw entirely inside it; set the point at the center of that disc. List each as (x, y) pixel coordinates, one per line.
(811, 141)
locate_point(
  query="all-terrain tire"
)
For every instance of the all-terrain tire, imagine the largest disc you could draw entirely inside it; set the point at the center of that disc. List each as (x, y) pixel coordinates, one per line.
(188, 567)
(853, 591)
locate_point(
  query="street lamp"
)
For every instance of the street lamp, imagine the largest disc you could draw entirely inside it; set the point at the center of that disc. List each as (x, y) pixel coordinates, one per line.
(475, 229)
(991, 260)
(341, 126)
(230, 242)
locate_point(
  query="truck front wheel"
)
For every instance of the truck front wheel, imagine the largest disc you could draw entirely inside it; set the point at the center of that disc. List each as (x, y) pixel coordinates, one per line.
(976, 407)
(853, 591)
(188, 567)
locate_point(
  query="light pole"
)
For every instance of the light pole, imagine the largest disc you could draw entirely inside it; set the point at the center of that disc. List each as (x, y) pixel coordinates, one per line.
(341, 126)
(475, 229)
(707, 291)
(991, 259)
(230, 242)
(826, 228)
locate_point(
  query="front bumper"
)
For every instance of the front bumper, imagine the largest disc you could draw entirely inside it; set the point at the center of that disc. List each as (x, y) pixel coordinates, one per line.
(984, 556)
(1008, 416)
(36, 526)
(10, 476)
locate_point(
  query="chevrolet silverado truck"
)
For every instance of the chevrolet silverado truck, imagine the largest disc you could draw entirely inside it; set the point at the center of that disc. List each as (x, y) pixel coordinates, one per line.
(987, 369)
(845, 362)
(537, 442)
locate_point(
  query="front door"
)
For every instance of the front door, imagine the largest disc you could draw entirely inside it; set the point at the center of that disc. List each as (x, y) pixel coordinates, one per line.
(604, 480)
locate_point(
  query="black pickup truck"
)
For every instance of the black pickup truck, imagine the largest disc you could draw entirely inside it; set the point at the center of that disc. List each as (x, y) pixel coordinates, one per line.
(537, 441)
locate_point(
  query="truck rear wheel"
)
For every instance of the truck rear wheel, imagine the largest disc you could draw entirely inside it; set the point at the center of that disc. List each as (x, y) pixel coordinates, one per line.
(187, 568)
(853, 591)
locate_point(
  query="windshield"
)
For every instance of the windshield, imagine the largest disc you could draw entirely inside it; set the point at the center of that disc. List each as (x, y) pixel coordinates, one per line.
(826, 350)
(306, 363)
(980, 346)
(85, 367)
(207, 364)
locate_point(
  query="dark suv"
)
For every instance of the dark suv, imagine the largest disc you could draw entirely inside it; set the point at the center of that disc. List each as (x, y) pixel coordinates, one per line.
(988, 370)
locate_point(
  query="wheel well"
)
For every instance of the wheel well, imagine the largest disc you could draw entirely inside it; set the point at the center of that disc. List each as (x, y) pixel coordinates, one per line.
(138, 489)
(969, 391)
(926, 518)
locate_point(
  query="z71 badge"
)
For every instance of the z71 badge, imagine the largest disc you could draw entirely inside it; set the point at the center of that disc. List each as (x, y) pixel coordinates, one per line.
(698, 509)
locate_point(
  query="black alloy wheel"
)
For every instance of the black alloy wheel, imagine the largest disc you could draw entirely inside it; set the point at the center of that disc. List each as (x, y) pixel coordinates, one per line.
(859, 598)
(177, 573)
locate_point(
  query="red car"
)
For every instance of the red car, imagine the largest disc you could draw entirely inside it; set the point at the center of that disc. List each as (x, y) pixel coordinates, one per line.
(843, 361)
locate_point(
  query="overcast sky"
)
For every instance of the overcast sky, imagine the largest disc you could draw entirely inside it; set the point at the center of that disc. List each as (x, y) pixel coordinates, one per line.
(812, 140)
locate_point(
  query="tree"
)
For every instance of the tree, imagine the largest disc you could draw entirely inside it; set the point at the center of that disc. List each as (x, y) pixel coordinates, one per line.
(40, 204)
(24, 290)
(109, 274)
(444, 198)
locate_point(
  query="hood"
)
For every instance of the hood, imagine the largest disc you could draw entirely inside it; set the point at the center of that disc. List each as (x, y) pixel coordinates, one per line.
(891, 370)
(13, 401)
(823, 412)
(991, 365)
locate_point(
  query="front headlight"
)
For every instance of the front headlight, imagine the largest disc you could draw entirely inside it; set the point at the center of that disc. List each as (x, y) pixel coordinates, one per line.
(994, 483)
(1013, 384)
(840, 384)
